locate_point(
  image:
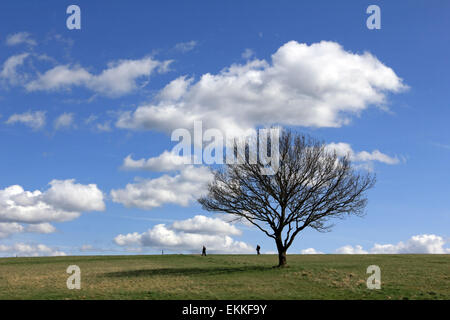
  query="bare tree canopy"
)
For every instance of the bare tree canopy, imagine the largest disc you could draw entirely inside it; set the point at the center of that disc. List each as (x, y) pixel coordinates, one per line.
(311, 186)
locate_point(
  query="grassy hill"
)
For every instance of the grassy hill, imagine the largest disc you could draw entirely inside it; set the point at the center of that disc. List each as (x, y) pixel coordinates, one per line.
(227, 277)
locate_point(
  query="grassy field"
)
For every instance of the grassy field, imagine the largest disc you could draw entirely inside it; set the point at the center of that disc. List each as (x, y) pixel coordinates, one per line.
(227, 277)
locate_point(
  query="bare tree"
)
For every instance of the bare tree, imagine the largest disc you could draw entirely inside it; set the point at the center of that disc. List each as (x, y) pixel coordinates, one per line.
(311, 186)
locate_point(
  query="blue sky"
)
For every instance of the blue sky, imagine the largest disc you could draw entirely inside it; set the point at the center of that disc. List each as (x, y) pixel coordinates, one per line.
(58, 72)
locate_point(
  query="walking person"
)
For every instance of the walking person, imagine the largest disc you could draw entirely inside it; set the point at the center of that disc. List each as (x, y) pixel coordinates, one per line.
(204, 251)
(257, 249)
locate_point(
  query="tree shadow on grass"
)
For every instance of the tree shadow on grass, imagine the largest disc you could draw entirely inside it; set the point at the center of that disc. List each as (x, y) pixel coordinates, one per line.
(183, 271)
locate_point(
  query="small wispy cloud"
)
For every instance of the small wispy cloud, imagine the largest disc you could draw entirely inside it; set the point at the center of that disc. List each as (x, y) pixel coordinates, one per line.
(104, 127)
(363, 159)
(186, 46)
(248, 53)
(9, 71)
(64, 121)
(119, 78)
(35, 120)
(441, 145)
(20, 38)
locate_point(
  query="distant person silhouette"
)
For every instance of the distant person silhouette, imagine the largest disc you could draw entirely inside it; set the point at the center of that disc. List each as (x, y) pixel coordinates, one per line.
(204, 251)
(257, 249)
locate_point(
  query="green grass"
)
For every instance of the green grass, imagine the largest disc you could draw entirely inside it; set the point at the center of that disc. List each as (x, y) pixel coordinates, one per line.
(227, 277)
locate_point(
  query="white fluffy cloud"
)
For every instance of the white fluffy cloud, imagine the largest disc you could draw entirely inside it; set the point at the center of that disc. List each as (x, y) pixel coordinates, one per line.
(9, 228)
(118, 79)
(9, 72)
(175, 89)
(166, 161)
(182, 189)
(205, 225)
(310, 251)
(424, 243)
(41, 228)
(63, 201)
(65, 120)
(75, 197)
(188, 235)
(351, 250)
(34, 120)
(319, 85)
(27, 250)
(19, 38)
(344, 149)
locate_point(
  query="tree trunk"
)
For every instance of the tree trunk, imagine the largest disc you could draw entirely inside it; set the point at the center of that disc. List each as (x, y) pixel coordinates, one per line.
(281, 252)
(282, 258)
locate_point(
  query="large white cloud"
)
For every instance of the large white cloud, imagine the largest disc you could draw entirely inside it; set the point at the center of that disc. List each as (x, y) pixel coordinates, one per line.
(118, 79)
(63, 201)
(182, 189)
(424, 243)
(29, 250)
(188, 235)
(75, 197)
(319, 85)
